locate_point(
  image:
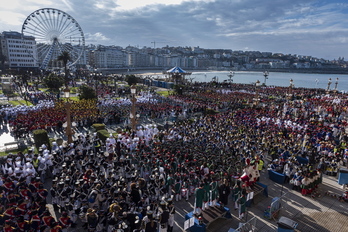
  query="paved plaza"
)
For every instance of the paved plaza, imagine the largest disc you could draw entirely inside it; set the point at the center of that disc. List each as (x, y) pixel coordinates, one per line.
(324, 214)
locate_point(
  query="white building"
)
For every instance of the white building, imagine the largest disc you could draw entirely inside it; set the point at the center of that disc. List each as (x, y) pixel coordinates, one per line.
(109, 57)
(20, 52)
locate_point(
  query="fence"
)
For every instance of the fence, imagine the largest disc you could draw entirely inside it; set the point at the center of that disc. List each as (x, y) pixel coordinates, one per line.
(272, 212)
(249, 226)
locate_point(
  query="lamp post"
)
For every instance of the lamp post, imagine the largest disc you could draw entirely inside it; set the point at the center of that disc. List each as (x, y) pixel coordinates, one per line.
(132, 114)
(96, 82)
(328, 85)
(115, 85)
(230, 75)
(336, 83)
(256, 99)
(68, 115)
(316, 83)
(290, 89)
(265, 74)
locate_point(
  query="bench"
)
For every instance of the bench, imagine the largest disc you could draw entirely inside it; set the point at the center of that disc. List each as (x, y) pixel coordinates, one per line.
(11, 146)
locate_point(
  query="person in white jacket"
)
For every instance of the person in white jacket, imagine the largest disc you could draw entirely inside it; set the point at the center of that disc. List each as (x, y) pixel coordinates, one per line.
(96, 197)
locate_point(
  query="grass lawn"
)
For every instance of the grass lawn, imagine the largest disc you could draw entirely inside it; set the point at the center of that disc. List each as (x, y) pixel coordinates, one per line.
(14, 152)
(165, 93)
(20, 102)
(75, 98)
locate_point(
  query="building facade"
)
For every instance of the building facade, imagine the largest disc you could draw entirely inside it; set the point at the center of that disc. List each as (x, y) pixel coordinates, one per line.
(19, 51)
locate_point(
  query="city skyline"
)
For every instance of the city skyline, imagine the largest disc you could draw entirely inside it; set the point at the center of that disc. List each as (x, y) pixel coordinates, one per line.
(313, 28)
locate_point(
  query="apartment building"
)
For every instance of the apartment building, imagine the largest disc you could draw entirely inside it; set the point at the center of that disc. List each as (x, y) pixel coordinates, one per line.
(19, 51)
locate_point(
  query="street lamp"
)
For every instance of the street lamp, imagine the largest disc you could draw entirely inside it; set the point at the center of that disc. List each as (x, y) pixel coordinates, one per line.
(328, 85)
(336, 83)
(68, 115)
(115, 85)
(96, 76)
(265, 74)
(290, 88)
(256, 99)
(133, 100)
(230, 75)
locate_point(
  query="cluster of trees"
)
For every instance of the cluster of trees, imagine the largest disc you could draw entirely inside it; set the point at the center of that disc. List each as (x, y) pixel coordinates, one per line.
(55, 82)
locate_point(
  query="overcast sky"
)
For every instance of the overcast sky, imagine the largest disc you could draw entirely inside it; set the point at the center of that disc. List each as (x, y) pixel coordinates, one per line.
(305, 27)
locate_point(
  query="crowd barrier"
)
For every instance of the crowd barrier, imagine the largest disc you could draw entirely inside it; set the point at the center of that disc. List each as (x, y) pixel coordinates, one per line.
(343, 176)
(276, 177)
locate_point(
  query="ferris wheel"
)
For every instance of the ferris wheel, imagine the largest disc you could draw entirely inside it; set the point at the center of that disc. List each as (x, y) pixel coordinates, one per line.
(55, 32)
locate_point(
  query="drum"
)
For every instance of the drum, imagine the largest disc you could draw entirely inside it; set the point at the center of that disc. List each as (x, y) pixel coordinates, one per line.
(146, 175)
(192, 189)
(184, 192)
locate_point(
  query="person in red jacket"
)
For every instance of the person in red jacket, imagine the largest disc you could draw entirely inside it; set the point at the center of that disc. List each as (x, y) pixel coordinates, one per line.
(42, 192)
(35, 221)
(8, 185)
(21, 209)
(8, 226)
(24, 192)
(47, 219)
(56, 227)
(65, 221)
(10, 213)
(22, 225)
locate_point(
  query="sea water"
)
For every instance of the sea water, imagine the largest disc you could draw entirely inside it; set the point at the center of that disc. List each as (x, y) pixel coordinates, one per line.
(304, 80)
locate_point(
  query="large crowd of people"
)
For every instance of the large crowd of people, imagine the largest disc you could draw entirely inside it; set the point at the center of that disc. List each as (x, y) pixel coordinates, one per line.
(131, 181)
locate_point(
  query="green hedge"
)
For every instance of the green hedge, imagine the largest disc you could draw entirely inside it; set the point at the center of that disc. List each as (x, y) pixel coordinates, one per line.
(41, 137)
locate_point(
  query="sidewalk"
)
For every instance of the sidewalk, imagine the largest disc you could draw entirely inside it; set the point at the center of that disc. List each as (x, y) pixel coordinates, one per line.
(324, 214)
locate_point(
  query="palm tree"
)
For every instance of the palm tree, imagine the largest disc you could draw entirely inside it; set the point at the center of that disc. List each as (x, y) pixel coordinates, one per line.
(3, 59)
(65, 57)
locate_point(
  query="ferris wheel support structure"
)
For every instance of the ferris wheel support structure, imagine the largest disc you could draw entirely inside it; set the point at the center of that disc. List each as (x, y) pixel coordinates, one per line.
(55, 32)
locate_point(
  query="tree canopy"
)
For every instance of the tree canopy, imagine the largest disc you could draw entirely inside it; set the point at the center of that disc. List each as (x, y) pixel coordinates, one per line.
(131, 79)
(87, 92)
(65, 57)
(53, 82)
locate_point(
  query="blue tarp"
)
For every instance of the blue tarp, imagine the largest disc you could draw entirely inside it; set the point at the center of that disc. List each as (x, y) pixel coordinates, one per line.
(265, 188)
(301, 160)
(276, 177)
(343, 176)
(196, 227)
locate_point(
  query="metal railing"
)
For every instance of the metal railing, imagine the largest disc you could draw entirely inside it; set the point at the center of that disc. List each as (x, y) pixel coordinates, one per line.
(249, 226)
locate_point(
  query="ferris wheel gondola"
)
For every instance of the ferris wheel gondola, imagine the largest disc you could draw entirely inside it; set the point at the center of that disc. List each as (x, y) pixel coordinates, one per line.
(55, 32)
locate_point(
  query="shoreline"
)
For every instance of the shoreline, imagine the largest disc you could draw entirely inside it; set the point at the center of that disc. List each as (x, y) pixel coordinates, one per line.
(149, 72)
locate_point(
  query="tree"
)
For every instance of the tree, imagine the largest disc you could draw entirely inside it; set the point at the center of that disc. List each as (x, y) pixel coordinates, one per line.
(178, 89)
(3, 59)
(87, 92)
(131, 79)
(53, 82)
(65, 57)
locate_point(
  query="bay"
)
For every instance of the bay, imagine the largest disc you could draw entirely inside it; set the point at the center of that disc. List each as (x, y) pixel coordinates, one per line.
(302, 80)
